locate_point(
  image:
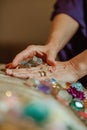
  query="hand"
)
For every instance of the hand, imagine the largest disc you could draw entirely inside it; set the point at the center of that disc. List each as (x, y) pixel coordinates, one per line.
(45, 52)
(64, 72)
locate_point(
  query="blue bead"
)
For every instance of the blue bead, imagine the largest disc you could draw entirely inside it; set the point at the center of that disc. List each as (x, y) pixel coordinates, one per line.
(78, 86)
(53, 81)
(44, 88)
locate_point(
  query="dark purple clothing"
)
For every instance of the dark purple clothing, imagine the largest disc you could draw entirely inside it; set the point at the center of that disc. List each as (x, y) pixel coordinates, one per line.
(78, 43)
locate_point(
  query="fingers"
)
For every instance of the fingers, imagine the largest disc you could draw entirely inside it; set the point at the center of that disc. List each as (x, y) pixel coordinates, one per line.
(51, 59)
(22, 56)
(9, 65)
(28, 54)
(34, 72)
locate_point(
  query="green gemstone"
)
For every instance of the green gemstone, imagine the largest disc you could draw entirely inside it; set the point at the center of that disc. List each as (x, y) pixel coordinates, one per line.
(77, 105)
(36, 111)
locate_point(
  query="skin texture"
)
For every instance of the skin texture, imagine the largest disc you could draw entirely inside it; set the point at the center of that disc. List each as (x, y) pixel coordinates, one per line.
(69, 71)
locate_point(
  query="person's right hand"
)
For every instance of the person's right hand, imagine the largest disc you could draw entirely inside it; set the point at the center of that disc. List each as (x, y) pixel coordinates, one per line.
(45, 52)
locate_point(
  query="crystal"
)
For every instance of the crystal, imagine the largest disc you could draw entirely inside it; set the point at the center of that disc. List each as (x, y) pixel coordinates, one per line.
(78, 86)
(63, 94)
(77, 105)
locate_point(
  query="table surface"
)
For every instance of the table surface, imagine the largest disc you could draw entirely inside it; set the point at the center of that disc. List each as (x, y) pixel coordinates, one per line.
(58, 112)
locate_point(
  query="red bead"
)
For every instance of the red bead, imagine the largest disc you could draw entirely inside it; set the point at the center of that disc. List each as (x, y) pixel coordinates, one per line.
(83, 114)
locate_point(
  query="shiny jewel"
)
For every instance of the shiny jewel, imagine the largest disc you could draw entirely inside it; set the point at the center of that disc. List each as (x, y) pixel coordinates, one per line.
(68, 85)
(83, 114)
(34, 59)
(46, 82)
(78, 86)
(63, 94)
(37, 111)
(53, 81)
(44, 88)
(76, 94)
(32, 82)
(37, 60)
(55, 84)
(77, 105)
(54, 91)
(63, 84)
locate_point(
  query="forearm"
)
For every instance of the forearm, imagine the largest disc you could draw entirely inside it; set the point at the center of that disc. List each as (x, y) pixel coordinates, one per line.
(79, 63)
(62, 29)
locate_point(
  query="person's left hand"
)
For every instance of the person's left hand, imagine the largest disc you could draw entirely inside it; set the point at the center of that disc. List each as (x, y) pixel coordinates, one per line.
(64, 72)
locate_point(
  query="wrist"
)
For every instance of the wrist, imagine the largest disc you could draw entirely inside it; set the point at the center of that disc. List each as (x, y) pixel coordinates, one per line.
(79, 63)
(53, 45)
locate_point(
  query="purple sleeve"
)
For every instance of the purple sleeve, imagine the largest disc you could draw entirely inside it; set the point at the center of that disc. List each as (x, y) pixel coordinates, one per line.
(73, 8)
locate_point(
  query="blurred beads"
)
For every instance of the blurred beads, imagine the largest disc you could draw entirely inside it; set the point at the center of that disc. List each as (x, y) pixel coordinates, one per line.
(68, 85)
(83, 114)
(63, 94)
(78, 86)
(32, 82)
(37, 111)
(35, 61)
(77, 105)
(44, 88)
(76, 94)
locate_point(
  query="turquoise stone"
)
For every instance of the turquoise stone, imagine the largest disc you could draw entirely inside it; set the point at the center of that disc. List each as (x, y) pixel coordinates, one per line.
(37, 111)
(78, 86)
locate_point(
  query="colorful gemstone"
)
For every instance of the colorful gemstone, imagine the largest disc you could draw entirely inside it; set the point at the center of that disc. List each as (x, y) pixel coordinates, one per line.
(53, 81)
(77, 105)
(37, 111)
(44, 88)
(76, 94)
(63, 94)
(32, 82)
(54, 91)
(78, 86)
(68, 85)
(83, 114)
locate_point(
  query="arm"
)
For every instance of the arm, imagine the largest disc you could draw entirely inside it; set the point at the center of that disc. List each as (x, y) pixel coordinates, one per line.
(62, 30)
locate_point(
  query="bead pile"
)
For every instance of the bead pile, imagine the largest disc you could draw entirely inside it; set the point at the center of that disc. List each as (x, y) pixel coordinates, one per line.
(73, 95)
(25, 108)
